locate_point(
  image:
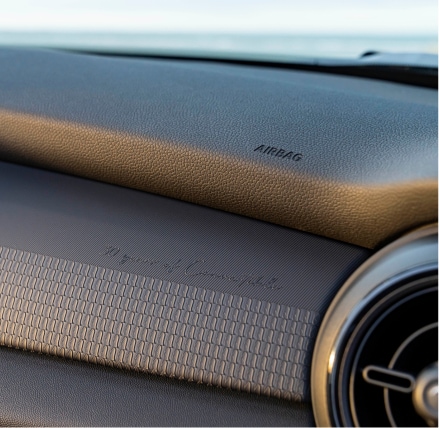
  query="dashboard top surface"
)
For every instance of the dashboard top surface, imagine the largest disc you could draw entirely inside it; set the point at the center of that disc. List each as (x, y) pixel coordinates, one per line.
(347, 158)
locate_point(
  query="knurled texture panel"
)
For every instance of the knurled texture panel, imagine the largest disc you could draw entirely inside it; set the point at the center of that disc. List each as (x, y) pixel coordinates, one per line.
(75, 310)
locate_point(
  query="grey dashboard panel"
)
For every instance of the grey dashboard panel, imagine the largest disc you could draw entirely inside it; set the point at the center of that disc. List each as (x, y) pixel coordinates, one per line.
(109, 275)
(36, 390)
(347, 158)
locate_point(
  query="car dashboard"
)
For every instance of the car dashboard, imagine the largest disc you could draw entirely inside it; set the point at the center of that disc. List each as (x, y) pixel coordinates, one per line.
(194, 243)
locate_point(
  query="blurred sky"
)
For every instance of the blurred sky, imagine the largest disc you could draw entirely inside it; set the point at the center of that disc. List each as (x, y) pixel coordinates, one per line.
(401, 17)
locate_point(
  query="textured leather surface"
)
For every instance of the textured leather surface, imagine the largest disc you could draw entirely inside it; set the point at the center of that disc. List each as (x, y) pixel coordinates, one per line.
(37, 390)
(189, 130)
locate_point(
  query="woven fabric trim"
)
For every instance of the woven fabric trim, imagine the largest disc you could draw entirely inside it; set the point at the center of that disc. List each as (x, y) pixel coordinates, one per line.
(99, 315)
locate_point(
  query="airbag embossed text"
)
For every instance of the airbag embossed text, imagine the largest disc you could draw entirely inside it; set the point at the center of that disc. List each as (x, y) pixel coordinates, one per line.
(279, 153)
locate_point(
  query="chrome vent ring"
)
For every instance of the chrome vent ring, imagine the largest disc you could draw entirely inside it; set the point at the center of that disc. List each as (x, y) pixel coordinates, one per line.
(375, 358)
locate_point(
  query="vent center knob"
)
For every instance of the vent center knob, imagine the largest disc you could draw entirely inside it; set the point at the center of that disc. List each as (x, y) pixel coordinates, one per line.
(425, 394)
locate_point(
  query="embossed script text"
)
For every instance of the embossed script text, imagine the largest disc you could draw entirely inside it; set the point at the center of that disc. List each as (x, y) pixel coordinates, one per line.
(195, 269)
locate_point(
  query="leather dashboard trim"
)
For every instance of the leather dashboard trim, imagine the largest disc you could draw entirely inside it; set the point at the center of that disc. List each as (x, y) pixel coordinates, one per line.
(367, 170)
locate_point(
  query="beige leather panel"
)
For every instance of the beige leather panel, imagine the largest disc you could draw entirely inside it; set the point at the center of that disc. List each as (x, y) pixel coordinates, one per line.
(366, 215)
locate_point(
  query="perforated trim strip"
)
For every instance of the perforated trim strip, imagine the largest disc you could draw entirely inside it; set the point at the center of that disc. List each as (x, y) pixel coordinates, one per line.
(104, 316)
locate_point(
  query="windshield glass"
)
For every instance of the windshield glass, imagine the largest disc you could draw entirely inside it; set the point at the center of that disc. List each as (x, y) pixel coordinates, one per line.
(236, 28)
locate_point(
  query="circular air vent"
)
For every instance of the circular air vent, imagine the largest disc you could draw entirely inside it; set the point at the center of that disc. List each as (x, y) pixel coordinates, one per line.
(391, 345)
(375, 359)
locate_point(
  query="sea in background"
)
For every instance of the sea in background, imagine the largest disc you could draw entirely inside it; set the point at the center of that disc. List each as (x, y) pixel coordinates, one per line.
(326, 46)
